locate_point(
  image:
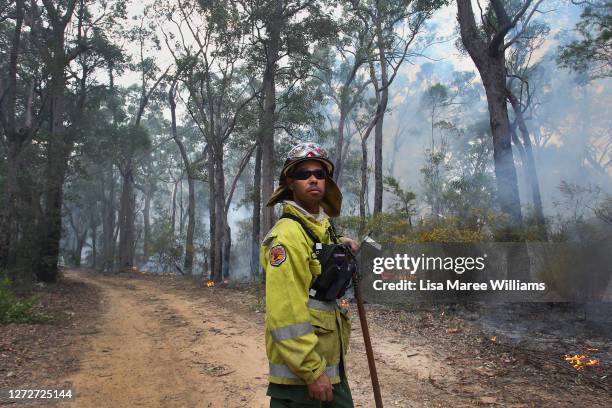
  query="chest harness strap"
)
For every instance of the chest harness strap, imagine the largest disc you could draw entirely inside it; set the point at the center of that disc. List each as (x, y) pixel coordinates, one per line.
(337, 264)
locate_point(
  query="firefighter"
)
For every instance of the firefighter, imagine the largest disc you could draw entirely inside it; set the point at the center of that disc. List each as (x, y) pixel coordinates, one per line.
(306, 339)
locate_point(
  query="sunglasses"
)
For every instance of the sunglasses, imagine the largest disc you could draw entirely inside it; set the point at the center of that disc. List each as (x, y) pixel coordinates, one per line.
(305, 174)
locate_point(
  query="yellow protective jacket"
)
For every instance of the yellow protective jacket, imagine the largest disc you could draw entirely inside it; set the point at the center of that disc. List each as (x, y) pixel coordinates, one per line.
(304, 337)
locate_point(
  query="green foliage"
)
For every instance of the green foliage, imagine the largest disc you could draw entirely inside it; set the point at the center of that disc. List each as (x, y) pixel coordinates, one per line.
(464, 196)
(132, 140)
(484, 225)
(396, 228)
(15, 310)
(404, 199)
(434, 179)
(298, 111)
(584, 214)
(576, 200)
(318, 46)
(164, 242)
(591, 52)
(385, 227)
(451, 230)
(435, 96)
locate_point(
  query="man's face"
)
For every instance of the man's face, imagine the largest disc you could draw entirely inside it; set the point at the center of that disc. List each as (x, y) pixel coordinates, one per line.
(309, 191)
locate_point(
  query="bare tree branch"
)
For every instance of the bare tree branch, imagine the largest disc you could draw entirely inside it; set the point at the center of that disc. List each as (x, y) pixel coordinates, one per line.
(495, 46)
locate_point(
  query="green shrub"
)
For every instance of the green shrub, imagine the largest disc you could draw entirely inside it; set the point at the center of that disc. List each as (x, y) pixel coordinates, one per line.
(15, 310)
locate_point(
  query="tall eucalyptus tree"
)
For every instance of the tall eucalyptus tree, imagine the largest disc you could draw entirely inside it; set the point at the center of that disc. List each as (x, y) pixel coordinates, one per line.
(487, 44)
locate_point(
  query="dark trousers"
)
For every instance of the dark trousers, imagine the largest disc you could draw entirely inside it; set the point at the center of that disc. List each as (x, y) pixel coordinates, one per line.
(296, 396)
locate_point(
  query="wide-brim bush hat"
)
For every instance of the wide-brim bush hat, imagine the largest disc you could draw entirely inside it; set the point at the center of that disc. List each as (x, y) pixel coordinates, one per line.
(332, 200)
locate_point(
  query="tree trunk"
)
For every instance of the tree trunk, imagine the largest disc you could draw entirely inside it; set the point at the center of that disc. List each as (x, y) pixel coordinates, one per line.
(518, 145)
(57, 158)
(373, 125)
(113, 224)
(94, 249)
(108, 202)
(266, 133)
(189, 248)
(345, 152)
(227, 247)
(489, 58)
(205, 264)
(378, 176)
(80, 242)
(267, 156)
(505, 171)
(26, 234)
(174, 207)
(54, 55)
(146, 214)
(364, 182)
(490, 62)
(255, 235)
(339, 143)
(220, 223)
(127, 239)
(14, 141)
(378, 131)
(530, 167)
(212, 211)
(120, 225)
(433, 123)
(9, 197)
(108, 221)
(126, 221)
(181, 212)
(114, 245)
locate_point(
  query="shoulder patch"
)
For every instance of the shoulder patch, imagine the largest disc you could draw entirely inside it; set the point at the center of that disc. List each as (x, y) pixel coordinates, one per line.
(278, 254)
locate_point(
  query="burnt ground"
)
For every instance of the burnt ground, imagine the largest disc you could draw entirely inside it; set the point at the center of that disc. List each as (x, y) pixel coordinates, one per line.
(513, 354)
(142, 340)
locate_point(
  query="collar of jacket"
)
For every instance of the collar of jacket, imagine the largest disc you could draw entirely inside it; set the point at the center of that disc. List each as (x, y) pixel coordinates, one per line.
(320, 228)
(316, 217)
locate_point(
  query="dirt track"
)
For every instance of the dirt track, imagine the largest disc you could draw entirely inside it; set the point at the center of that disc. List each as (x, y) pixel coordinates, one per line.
(163, 342)
(156, 349)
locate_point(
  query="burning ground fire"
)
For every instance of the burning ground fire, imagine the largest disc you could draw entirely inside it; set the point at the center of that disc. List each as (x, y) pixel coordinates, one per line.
(211, 283)
(579, 361)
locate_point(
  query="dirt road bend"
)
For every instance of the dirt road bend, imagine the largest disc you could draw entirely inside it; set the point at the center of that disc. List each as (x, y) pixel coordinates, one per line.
(154, 348)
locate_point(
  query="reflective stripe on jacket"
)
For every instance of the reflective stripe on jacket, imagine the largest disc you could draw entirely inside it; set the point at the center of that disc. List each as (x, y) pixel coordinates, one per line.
(304, 337)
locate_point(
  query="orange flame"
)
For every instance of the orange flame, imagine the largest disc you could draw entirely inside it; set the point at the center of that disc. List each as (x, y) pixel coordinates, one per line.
(494, 339)
(344, 303)
(210, 284)
(579, 361)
